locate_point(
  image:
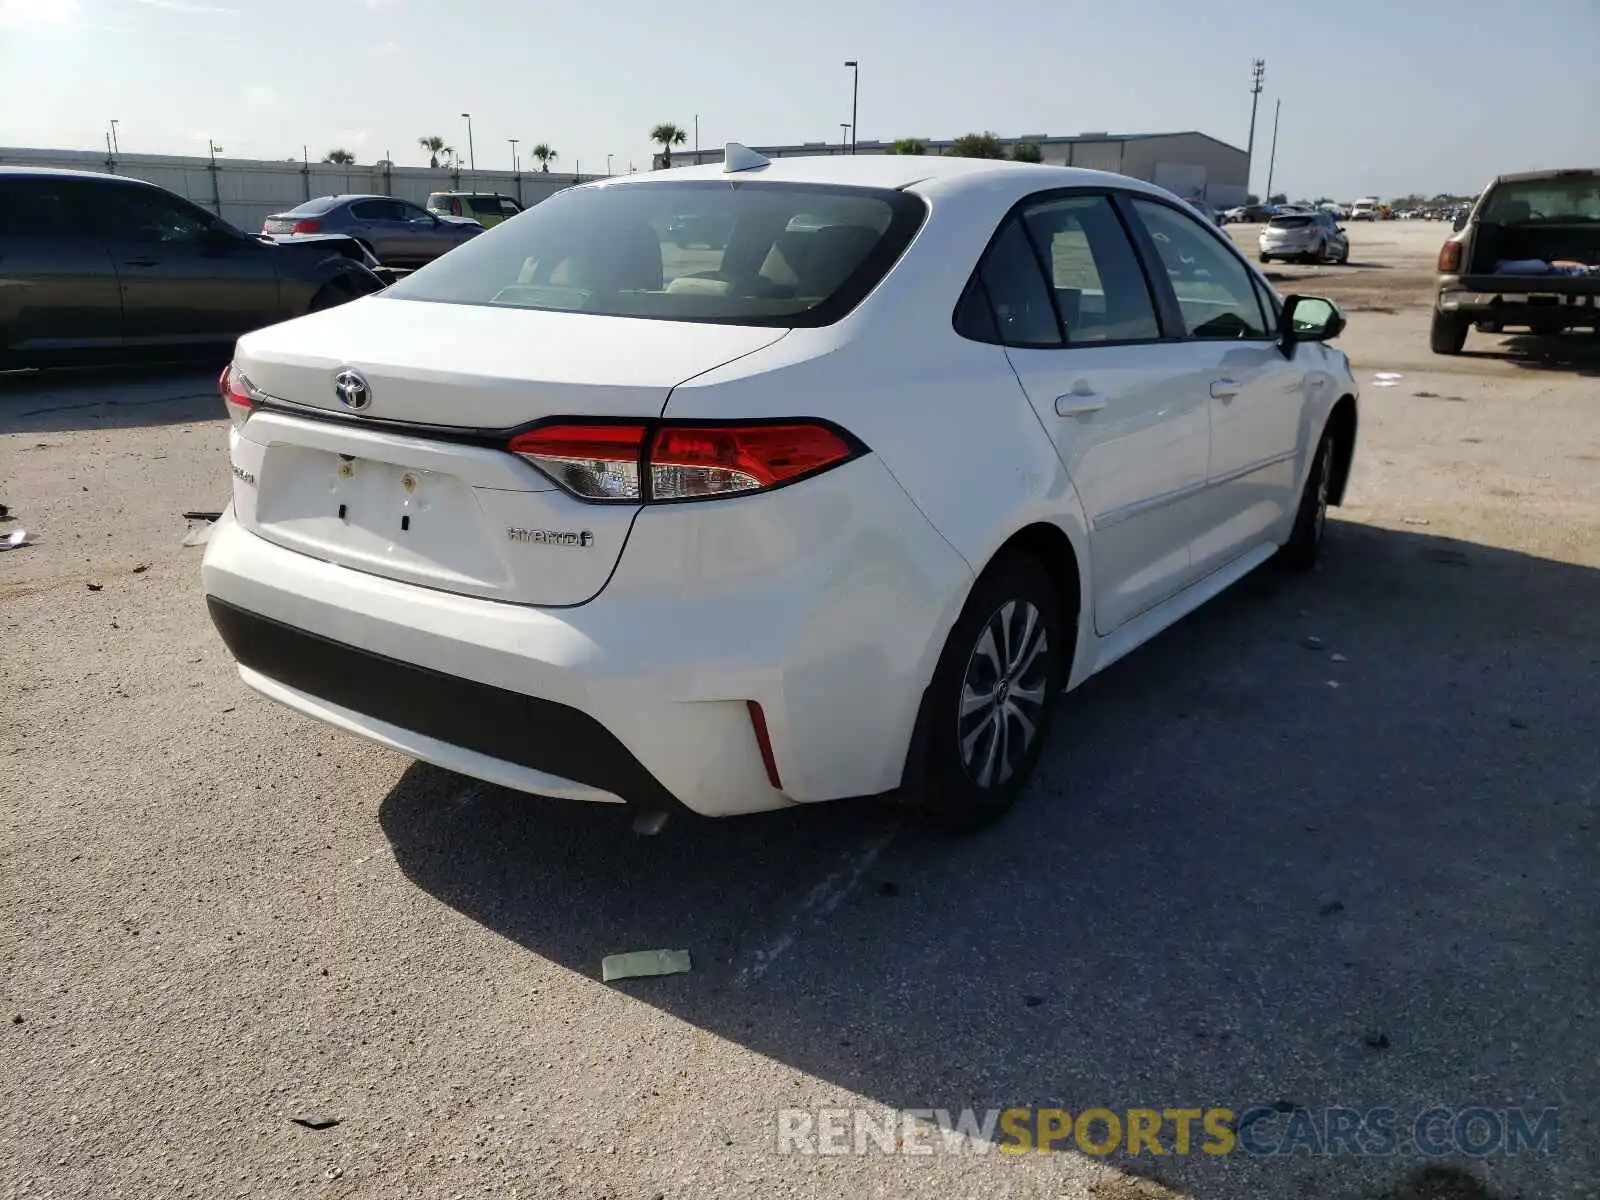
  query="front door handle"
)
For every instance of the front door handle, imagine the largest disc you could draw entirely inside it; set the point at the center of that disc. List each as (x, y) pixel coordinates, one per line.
(1224, 389)
(1079, 404)
(138, 262)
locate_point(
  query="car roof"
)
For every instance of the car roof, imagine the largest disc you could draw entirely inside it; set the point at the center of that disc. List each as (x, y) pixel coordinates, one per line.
(910, 172)
(496, 195)
(10, 172)
(1559, 173)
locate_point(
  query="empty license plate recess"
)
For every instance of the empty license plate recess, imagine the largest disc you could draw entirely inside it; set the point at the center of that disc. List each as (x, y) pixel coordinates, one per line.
(396, 519)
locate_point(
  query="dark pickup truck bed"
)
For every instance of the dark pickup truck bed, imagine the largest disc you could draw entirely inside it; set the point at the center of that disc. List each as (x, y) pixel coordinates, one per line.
(1527, 257)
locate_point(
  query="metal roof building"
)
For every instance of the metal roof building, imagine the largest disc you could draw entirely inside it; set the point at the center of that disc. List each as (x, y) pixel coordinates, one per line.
(1195, 165)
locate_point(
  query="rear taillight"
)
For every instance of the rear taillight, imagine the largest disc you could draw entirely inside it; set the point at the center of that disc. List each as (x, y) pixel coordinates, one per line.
(1450, 258)
(238, 395)
(307, 227)
(643, 463)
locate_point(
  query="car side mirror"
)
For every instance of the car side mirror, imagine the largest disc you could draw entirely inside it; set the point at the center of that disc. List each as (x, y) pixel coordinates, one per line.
(1309, 319)
(1458, 224)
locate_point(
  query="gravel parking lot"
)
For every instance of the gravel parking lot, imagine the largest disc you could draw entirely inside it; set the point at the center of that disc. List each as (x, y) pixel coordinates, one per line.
(1332, 841)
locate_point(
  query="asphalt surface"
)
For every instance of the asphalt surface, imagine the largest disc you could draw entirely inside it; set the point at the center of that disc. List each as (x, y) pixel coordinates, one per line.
(1233, 882)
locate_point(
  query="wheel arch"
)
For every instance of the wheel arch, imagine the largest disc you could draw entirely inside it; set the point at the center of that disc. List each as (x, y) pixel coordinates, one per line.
(1342, 423)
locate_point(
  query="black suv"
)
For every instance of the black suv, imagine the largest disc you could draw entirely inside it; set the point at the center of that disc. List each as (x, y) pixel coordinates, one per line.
(101, 267)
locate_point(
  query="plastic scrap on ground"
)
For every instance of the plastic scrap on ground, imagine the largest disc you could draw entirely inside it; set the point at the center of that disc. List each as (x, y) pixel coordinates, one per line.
(639, 964)
(14, 539)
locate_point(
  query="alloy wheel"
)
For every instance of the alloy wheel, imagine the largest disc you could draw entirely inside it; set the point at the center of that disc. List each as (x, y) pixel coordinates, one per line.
(1003, 693)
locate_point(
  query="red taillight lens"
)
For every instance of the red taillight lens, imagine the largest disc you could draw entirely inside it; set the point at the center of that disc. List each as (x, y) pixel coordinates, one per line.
(679, 462)
(237, 395)
(1450, 258)
(688, 462)
(307, 227)
(594, 462)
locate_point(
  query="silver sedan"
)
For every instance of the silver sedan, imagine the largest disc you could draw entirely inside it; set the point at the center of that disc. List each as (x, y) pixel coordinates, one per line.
(399, 233)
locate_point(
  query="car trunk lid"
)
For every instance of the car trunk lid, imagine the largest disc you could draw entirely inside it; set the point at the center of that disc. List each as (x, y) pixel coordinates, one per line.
(407, 476)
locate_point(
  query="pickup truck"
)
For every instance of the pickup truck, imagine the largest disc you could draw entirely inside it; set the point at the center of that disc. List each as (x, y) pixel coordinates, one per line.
(1526, 256)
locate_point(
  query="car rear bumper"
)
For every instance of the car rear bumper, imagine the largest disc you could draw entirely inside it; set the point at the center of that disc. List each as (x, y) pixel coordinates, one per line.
(641, 695)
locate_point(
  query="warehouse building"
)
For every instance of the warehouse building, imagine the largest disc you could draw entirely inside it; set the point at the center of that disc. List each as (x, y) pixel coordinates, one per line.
(1194, 165)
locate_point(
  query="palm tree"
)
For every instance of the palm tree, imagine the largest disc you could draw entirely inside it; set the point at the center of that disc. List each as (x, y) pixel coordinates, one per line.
(668, 135)
(341, 156)
(977, 145)
(435, 146)
(544, 155)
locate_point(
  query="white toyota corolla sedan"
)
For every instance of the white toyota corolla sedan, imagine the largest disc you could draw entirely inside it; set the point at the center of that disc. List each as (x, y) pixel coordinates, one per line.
(831, 508)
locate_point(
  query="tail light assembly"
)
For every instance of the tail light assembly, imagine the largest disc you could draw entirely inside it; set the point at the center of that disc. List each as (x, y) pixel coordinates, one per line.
(1450, 258)
(239, 395)
(660, 462)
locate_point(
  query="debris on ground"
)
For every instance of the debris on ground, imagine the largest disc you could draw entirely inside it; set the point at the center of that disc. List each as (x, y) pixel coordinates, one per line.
(94, 587)
(1414, 520)
(315, 1120)
(1311, 643)
(16, 538)
(5, 512)
(1331, 908)
(1337, 658)
(638, 964)
(199, 534)
(1377, 1039)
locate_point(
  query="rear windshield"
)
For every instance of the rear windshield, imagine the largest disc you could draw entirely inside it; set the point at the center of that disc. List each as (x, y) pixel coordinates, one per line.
(312, 207)
(1576, 199)
(733, 253)
(1290, 222)
(485, 204)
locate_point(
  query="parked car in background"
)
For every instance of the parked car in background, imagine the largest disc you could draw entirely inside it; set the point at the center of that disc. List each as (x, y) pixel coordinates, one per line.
(1206, 211)
(486, 208)
(1248, 213)
(1335, 210)
(833, 512)
(1364, 210)
(97, 267)
(1527, 257)
(1308, 236)
(397, 232)
(686, 230)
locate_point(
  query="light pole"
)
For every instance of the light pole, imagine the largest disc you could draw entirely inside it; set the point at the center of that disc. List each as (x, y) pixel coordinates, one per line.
(472, 157)
(1273, 160)
(115, 147)
(845, 143)
(1258, 72)
(608, 164)
(855, 95)
(697, 139)
(515, 167)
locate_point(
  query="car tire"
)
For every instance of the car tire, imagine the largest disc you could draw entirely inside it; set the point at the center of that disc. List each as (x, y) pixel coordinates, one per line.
(329, 295)
(1344, 255)
(966, 770)
(1266, 258)
(1448, 333)
(1304, 547)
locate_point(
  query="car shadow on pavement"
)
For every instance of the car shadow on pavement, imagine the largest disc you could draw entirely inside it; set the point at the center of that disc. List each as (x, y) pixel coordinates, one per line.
(121, 397)
(1572, 353)
(1330, 841)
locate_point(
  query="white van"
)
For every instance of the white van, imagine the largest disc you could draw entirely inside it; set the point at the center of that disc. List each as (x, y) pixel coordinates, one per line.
(1365, 209)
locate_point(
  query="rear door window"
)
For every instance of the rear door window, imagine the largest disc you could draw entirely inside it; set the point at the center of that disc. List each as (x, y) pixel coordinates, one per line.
(784, 254)
(1100, 289)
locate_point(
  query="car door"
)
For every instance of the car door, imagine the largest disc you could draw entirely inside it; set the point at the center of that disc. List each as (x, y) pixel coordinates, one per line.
(427, 235)
(379, 223)
(1072, 305)
(1255, 395)
(58, 285)
(187, 277)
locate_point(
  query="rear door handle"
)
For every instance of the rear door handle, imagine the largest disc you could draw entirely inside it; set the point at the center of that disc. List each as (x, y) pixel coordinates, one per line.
(1224, 389)
(138, 262)
(1079, 404)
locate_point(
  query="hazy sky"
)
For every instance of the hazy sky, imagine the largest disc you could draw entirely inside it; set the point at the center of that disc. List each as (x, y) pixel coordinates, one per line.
(1379, 96)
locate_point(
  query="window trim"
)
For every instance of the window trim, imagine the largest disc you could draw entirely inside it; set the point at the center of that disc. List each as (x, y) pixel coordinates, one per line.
(1165, 284)
(1168, 320)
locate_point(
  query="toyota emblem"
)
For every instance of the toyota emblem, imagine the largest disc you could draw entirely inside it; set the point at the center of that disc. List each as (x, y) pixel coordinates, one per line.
(352, 389)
